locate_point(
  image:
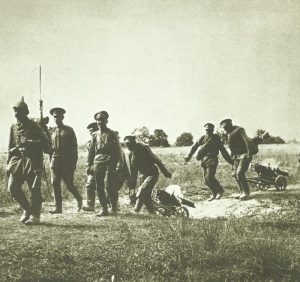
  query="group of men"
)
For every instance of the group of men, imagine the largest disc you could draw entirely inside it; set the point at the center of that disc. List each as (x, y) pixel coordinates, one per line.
(241, 149)
(107, 167)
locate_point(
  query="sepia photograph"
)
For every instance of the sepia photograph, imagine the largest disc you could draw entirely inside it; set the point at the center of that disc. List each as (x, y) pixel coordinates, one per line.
(150, 140)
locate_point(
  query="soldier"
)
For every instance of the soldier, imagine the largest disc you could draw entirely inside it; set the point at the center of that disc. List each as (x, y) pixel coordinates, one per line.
(90, 184)
(208, 155)
(105, 158)
(143, 165)
(241, 153)
(122, 174)
(64, 159)
(27, 142)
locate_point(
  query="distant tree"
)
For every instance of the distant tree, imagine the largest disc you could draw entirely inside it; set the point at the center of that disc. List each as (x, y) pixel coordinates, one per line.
(185, 139)
(267, 138)
(159, 139)
(293, 141)
(278, 140)
(142, 134)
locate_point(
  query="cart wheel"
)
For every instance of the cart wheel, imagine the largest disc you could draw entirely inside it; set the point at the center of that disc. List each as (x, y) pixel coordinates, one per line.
(183, 212)
(262, 186)
(162, 211)
(280, 183)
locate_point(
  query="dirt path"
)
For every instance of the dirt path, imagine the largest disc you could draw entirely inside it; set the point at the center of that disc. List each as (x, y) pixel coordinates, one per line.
(260, 202)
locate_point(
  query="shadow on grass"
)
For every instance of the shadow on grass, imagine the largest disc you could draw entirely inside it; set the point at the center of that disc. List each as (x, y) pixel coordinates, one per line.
(139, 216)
(278, 195)
(99, 223)
(67, 225)
(282, 225)
(6, 214)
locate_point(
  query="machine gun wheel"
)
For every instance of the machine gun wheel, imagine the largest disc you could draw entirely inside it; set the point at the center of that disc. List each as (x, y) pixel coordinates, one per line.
(280, 183)
(262, 186)
(183, 212)
(163, 210)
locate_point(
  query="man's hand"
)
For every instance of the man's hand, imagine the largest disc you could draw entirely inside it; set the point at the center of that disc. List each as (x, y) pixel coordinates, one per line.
(186, 159)
(7, 172)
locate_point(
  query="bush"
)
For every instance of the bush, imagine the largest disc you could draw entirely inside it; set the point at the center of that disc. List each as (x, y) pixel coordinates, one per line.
(185, 139)
(159, 139)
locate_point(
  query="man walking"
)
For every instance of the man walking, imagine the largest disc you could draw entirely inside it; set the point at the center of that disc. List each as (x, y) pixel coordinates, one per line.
(208, 155)
(105, 157)
(27, 142)
(143, 165)
(90, 183)
(64, 159)
(240, 148)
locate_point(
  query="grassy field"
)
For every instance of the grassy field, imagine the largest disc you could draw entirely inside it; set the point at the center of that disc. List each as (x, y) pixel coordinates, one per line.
(79, 247)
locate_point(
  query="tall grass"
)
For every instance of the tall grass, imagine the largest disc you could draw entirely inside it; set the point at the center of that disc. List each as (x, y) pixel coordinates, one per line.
(151, 248)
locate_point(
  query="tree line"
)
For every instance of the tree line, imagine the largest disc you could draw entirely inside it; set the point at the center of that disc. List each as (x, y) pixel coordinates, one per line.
(160, 139)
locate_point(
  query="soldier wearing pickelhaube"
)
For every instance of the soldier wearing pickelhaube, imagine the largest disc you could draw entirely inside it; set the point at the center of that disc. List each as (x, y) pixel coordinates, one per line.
(64, 159)
(90, 183)
(105, 158)
(27, 142)
(208, 155)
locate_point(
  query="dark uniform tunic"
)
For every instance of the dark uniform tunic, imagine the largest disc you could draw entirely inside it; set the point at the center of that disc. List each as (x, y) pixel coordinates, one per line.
(27, 142)
(63, 162)
(143, 165)
(208, 154)
(238, 146)
(104, 155)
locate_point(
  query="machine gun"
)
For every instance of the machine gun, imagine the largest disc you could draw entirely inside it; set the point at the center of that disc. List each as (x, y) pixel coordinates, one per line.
(267, 176)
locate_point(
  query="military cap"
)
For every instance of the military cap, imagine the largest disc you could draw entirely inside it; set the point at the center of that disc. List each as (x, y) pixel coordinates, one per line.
(101, 114)
(57, 110)
(129, 138)
(209, 125)
(21, 105)
(92, 125)
(226, 121)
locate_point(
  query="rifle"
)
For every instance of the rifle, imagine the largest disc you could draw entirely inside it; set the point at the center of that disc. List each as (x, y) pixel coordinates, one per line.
(41, 101)
(43, 124)
(44, 120)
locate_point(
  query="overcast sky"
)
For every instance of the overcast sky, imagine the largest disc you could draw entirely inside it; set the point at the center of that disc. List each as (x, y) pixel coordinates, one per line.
(166, 64)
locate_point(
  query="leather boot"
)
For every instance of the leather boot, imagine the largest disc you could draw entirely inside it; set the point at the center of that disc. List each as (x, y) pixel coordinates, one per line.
(33, 220)
(212, 197)
(102, 213)
(88, 209)
(25, 216)
(90, 200)
(138, 205)
(56, 210)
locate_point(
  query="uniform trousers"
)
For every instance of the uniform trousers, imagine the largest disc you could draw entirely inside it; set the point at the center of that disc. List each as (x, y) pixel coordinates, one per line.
(209, 173)
(147, 183)
(241, 165)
